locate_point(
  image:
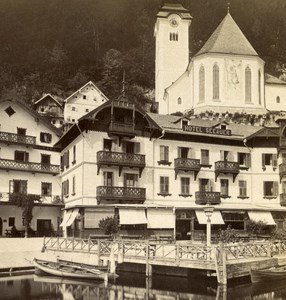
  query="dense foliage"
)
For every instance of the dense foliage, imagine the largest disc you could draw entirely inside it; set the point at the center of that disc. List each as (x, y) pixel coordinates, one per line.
(229, 235)
(109, 225)
(256, 228)
(57, 46)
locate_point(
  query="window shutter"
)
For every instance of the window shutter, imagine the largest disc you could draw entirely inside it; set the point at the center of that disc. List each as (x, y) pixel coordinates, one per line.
(190, 153)
(68, 159)
(124, 147)
(275, 188)
(167, 153)
(42, 137)
(67, 187)
(62, 162)
(264, 188)
(179, 152)
(11, 186)
(26, 156)
(137, 148)
(274, 160)
(24, 184)
(222, 155)
(263, 162)
(248, 160)
(49, 137)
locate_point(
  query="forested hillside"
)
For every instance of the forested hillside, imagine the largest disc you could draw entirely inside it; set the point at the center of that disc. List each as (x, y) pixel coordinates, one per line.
(56, 46)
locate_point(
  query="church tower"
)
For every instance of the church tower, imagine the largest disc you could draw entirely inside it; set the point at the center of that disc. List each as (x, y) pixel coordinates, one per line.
(172, 47)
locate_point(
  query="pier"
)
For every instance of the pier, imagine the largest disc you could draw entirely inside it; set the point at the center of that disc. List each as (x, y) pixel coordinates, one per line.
(224, 261)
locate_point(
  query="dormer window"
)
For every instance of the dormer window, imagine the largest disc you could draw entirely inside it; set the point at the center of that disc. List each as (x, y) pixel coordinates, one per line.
(277, 99)
(84, 96)
(223, 126)
(184, 124)
(179, 100)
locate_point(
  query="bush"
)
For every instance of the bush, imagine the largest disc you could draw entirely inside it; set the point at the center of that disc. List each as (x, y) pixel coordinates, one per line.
(278, 234)
(109, 225)
(255, 228)
(227, 236)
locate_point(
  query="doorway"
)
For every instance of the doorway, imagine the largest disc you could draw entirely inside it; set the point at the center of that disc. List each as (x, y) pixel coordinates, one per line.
(44, 227)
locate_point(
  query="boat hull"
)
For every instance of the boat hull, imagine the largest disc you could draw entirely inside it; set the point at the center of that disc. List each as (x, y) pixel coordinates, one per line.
(54, 268)
(268, 274)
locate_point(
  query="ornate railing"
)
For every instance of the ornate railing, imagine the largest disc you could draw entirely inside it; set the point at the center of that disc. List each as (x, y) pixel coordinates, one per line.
(17, 138)
(283, 199)
(207, 198)
(9, 164)
(125, 104)
(227, 166)
(187, 164)
(120, 193)
(119, 158)
(122, 127)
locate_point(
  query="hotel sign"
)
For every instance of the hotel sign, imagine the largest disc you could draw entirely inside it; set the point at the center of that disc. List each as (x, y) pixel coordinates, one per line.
(207, 130)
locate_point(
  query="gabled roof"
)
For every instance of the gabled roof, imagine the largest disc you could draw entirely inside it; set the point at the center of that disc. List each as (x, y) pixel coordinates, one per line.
(228, 39)
(88, 83)
(273, 80)
(35, 114)
(48, 96)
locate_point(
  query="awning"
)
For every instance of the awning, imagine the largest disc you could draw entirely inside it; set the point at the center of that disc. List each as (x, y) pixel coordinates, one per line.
(216, 217)
(264, 216)
(132, 216)
(69, 217)
(160, 218)
(92, 216)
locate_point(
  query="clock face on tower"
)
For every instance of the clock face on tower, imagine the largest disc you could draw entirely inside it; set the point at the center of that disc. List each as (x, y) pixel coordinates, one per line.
(173, 22)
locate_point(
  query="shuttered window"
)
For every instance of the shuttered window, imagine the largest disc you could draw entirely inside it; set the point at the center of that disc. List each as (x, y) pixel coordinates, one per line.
(164, 153)
(205, 157)
(242, 188)
(185, 185)
(270, 188)
(164, 184)
(224, 187)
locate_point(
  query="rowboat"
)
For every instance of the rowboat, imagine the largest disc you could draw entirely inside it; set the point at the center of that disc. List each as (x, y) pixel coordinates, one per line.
(82, 265)
(275, 273)
(70, 270)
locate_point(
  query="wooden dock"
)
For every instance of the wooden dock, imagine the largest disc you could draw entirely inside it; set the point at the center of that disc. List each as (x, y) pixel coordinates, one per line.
(226, 261)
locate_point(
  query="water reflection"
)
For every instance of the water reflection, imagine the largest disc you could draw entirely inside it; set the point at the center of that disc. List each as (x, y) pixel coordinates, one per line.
(133, 286)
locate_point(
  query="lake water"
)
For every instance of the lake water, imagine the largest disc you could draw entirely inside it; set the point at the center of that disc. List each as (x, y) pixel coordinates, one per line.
(133, 286)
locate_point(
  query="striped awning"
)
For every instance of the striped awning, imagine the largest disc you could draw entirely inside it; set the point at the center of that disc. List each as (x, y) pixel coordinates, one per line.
(216, 217)
(264, 216)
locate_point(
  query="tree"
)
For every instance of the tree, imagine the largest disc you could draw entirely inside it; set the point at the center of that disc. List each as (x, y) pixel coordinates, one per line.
(27, 203)
(109, 225)
(227, 236)
(255, 228)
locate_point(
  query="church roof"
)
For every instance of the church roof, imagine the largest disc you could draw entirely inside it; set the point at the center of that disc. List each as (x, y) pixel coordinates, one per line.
(228, 39)
(271, 79)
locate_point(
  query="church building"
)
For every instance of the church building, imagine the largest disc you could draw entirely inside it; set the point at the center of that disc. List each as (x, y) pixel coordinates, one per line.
(225, 75)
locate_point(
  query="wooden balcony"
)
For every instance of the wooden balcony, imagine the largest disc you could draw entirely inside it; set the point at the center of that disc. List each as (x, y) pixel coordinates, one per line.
(283, 199)
(120, 159)
(187, 165)
(203, 198)
(282, 171)
(122, 129)
(226, 167)
(10, 164)
(121, 194)
(14, 138)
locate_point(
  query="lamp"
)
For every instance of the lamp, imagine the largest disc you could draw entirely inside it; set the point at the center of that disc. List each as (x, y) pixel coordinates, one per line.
(208, 210)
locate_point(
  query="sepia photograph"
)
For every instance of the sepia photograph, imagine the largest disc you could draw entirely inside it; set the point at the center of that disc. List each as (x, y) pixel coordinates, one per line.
(142, 149)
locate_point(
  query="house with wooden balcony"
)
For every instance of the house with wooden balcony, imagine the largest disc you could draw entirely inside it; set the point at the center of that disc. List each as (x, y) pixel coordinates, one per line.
(29, 165)
(168, 168)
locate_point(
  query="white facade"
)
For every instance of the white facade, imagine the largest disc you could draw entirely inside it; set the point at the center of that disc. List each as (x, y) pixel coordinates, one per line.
(28, 162)
(238, 85)
(82, 101)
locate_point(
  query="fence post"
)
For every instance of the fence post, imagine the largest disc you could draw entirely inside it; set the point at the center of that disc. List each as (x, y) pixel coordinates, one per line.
(98, 249)
(58, 242)
(269, 249)
(148, 266)
(177, 254)
(73, 243)
(88, 244)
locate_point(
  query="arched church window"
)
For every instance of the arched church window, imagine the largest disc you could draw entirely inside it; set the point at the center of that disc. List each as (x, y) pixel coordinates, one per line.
(215, 82)
(259, 86)
(277, 99)
(179, 100)
(247, 84)
(202, 84)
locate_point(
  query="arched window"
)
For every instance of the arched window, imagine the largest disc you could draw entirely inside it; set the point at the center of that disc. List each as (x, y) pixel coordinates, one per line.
(247, 85)
(179, 100)
(215, 82)
(259, 86)
(202, 84)
(278, 99)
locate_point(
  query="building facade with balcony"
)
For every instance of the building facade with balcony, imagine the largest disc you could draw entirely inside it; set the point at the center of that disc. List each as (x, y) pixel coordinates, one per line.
(157, 172)
(29, 165)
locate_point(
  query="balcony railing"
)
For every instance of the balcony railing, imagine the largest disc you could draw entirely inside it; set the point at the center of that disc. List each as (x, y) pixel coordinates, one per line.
(187, 164)
(120, 159)
(283, 199)
(122, 128)
(9, 164)
(282, 170)
(124, 104)
(121, 194)
(17, 138)
(55, 199)
(203, 198)
(224, 166)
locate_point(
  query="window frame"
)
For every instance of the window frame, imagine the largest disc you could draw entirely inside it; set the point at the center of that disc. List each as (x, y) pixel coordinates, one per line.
(164, 185)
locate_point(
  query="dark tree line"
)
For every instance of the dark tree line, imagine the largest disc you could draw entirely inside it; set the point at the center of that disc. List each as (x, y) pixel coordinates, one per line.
(58, 45)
